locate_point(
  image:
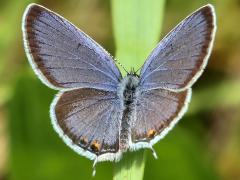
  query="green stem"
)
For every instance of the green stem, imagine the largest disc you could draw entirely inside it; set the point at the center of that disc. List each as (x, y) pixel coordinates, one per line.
(131, 166)
(137, 26)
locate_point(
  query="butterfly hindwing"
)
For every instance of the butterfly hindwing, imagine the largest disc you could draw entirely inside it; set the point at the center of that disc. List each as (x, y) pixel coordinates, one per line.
(157, 111)
(88, 120)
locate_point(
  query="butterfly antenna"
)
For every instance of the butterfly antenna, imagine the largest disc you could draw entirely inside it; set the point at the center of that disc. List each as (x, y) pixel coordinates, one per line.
(138, 69)
(121, 66)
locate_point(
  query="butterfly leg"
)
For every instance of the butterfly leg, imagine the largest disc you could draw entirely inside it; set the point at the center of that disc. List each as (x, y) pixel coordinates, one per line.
(94, 166)
(153, 152)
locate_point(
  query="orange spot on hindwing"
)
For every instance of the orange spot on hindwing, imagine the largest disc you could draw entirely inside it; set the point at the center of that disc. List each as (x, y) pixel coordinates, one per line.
(83, 141)
(151, 133)
(95, 146)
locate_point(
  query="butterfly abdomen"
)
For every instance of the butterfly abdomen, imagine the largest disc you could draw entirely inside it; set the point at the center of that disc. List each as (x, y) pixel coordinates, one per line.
(127, 93)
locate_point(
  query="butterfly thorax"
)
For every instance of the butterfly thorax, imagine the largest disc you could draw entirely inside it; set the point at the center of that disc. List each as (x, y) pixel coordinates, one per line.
(131, 84)
(127, 94)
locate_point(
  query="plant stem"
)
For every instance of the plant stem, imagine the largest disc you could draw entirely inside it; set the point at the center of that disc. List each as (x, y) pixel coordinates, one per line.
(131, 166)
(137, 26)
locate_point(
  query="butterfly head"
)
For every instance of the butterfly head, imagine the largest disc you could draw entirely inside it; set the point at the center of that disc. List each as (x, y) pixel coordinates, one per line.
(132, 72)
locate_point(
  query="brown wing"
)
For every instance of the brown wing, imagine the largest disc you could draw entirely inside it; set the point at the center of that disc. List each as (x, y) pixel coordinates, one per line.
(88, 120)
(157, 111)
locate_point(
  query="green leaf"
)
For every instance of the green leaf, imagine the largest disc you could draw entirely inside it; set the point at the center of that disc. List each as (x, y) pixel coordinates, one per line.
(137, 26)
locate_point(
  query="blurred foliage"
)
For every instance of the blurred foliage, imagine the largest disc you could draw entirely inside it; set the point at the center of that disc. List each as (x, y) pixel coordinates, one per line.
(204, 145)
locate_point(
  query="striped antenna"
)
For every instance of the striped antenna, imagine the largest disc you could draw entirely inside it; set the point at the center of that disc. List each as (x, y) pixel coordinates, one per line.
(121, 66)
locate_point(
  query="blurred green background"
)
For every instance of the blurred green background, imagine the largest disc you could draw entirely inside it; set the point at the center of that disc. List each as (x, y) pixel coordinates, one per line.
(204, 145)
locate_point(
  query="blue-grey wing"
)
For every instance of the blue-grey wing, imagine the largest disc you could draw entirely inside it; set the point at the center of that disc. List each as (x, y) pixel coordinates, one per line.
(88, 120)
(180, 58)
(63, 56)
(156, 112)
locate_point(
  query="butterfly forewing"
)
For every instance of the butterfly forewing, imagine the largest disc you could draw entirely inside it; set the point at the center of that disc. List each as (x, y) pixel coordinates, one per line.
(90, 118)
(179, 59)
(63, 56)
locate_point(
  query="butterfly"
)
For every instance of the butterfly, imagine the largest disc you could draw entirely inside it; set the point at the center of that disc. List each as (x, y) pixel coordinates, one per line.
(97, 112)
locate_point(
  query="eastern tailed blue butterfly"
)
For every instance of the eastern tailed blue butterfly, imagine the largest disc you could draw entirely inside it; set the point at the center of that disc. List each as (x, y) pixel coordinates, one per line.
(99, 113)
